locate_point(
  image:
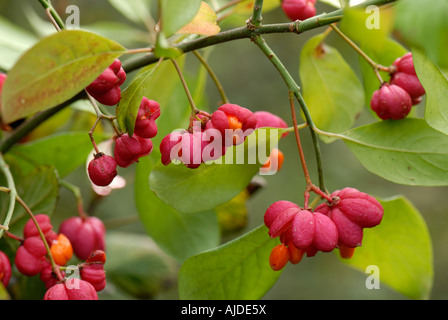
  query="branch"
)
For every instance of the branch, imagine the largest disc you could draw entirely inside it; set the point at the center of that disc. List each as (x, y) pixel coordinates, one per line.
(296, 27)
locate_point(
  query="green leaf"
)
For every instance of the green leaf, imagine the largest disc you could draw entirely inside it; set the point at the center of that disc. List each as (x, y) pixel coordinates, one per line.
(176, 14)
(391, 50)
(181, 235)
(424, 26)
(333, 93)
(407, 151)
(194, 190)
(435, 82)
(65, 151)
(54, 70)
(137, 266)
(401, 248)
(237, 270)
(38, 188)
(204, 23)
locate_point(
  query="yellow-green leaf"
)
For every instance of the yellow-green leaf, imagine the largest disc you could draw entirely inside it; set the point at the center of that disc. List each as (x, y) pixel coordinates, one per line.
(204, 23)
(54, 70)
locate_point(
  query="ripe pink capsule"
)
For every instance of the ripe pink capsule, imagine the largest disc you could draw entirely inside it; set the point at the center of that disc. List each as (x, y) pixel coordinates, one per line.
(145, 126)
(5, 269)
(127, 150)
(30, 256)
(86, 235)
(94, 274)
(410, 83)
(102, 169)
(73, 289)
(106, 87)
(298, 9)
(391, 102)
(351, 212)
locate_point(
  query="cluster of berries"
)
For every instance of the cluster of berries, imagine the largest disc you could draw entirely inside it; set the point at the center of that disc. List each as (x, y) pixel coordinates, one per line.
(82, 236)
(208, 138)
(336, 224)
(128, 149)
(299, 9)
(394, 99)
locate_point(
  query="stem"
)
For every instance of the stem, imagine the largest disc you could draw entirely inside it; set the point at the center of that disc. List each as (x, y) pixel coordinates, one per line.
(213, 76)
(56, 19)
(256, 19)
(375, 66)
(293, 88)
(299, 144)
(194, 110)
(12, 194)
(77, 193)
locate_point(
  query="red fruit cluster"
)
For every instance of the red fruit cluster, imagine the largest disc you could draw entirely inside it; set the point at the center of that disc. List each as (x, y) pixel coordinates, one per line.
(338, 224)
(128, 149)
(31, 254)
(5, 269)
(106, 88)
(394, 99)
(85, 234)
(229, 125)
(299, 9)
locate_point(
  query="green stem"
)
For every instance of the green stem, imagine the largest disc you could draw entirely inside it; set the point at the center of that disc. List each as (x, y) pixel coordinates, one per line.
(77, 193)
(375, 66)
(256, 19)
(294, 89)
(49, 7)
(213, 76)
(12, 194)
(194, 110)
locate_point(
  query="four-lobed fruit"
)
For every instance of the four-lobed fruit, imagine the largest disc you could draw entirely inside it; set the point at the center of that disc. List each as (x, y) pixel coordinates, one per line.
(233, 122)
(106, 88)
(391, 102)
(299, 9)
(30, 256)
(145, 125)
(351, 212)
(102, 169)
(85, 234)
(128, 149)
(73, 289)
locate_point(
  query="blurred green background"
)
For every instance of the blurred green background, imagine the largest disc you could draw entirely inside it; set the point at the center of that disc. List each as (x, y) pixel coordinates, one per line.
(251, 81)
